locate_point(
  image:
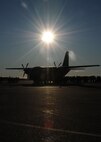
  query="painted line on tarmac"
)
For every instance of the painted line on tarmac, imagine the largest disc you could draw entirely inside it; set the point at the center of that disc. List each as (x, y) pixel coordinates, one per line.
(50, 129)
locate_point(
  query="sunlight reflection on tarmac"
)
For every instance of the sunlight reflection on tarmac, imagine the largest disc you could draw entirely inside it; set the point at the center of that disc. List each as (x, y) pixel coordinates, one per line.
(50, 114)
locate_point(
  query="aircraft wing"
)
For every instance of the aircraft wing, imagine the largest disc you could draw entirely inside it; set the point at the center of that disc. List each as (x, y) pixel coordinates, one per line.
(81, 67)
(69, 67)
(16, 68)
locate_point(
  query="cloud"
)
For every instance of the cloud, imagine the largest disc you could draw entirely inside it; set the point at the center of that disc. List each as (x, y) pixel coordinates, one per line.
(24, 5)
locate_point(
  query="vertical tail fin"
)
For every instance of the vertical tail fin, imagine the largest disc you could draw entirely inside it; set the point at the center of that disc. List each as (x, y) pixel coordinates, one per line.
(66, 59)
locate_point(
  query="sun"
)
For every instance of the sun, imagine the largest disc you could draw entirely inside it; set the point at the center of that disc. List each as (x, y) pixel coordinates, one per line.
(47, 37)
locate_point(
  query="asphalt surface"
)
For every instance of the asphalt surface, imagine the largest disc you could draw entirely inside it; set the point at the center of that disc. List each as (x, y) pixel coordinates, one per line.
(50, 114)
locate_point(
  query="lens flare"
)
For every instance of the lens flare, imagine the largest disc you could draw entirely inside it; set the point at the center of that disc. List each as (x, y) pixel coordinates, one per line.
(47, 37)
(72, 55)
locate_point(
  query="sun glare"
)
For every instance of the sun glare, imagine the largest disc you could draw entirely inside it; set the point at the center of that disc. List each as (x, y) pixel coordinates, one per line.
(47, 37)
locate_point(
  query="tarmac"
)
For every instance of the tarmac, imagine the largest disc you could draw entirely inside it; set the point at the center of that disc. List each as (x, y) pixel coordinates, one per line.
(50, 113)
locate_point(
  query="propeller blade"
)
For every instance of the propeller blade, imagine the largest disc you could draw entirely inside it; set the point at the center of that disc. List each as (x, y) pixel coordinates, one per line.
(23, 66)
(23, 74)
(59, 64)
(23, 70)
(27, 65)
(54, 64)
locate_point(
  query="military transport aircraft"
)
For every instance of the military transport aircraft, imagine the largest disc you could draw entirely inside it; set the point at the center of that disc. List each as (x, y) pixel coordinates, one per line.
(50, 74)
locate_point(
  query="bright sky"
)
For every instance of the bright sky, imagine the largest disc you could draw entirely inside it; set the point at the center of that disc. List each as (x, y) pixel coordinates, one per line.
(77, 28)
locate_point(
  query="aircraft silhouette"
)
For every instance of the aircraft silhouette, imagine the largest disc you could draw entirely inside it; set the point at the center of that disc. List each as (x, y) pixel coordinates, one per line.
(50, 74)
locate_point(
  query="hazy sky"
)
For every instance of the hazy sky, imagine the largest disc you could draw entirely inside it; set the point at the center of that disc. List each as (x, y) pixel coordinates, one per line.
(76, 24)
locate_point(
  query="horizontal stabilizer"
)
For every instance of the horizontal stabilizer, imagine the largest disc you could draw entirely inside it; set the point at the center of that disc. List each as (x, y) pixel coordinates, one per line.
(81, 67)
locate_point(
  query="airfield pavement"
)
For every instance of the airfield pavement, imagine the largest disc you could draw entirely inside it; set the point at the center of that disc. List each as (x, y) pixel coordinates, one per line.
(50, 114)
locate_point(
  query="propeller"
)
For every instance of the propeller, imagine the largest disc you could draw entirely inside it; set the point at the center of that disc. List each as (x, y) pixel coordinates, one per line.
(24, 68)
(58, 64)
(54, 64)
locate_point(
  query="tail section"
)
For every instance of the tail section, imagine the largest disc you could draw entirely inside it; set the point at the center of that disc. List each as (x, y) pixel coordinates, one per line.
(66, 59)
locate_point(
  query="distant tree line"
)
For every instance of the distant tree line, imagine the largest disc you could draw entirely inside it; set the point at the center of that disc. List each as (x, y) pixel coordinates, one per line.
(66, 81)
(9, 79)
(81, 79)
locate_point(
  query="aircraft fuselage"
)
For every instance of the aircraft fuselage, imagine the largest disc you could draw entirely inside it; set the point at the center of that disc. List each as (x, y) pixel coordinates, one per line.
(47, 74)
